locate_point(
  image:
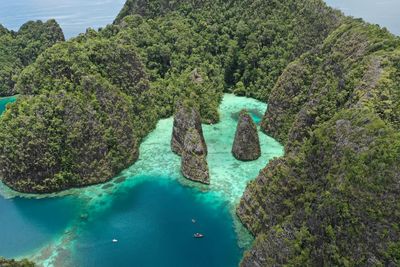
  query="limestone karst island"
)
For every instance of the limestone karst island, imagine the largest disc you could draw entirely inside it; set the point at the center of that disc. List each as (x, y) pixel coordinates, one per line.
(199, 133)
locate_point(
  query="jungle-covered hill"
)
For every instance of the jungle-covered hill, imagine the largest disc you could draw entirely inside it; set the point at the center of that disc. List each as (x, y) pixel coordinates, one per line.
(332, 84)
(21, 48)
(86, 103)
(333, 199)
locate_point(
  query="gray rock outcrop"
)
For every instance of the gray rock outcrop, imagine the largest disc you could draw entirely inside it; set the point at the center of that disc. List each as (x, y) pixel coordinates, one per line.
(194, 163)
(246, 146)
(185, 118)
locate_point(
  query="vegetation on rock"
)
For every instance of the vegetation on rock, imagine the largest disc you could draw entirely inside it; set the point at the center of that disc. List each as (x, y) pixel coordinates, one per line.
(333, 198)
(194, 162)
(14, 263)
(246, 146)
(19, 49)
(185, 118)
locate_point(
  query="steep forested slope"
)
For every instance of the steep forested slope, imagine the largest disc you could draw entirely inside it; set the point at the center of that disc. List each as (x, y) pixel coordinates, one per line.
(253, 41)
(19, 49)
(334, 198)
(68, 128)
(76, 122)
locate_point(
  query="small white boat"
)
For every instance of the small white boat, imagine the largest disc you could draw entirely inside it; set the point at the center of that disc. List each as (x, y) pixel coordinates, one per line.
(193, 221)
(198, 235)
(115, 240)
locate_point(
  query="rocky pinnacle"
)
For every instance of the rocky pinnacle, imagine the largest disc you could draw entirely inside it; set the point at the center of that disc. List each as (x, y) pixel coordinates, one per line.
(246, 146)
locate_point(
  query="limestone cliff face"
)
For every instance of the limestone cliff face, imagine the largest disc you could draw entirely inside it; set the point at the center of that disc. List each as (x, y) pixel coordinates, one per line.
(20, 49)
(322, 82)
(246, 146)
(194, 163)
(332, 197)
(326, 196)
(185, 118)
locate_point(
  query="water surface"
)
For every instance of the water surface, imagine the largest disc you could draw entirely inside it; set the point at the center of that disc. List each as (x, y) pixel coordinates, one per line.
(74, 16)
(4, 101)
(149, 208)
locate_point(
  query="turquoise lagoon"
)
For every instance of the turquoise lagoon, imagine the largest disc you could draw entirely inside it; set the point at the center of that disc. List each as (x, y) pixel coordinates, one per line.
(4, 101)
(149, 208)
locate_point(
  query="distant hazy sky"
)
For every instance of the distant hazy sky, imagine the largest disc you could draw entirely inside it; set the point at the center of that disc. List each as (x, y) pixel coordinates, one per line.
(383, 12)
(74, 16)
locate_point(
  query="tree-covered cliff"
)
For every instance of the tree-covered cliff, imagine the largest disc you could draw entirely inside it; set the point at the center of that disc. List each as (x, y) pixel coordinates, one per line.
(86, 103)
(19, 49)
(334, 198)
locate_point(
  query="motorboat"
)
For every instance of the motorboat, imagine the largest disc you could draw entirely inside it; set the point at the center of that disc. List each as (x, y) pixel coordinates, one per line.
(198, 235)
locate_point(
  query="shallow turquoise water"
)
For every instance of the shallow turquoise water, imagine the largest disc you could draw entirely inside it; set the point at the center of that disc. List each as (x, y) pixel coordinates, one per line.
(4, 101)
(148, 208)
(156, 217)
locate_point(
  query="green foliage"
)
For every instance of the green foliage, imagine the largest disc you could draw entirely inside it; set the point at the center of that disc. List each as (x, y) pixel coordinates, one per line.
(335, 191)
(84, 106)
(60, 140)
(251, 42)
(19, 49)
(347, 69)
(337, 194)
(14, 263)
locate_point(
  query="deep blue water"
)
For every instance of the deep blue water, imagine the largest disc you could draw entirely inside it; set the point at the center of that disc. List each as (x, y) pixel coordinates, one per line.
(74, 16)
(4, 101)
(383, 12)
(152, 223)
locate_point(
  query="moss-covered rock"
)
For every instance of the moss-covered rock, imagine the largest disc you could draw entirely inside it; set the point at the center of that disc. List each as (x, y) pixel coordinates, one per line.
(331, 201)
(246, 146)
(337, 197)
(19, 49)
(185, 118)
(194, 158)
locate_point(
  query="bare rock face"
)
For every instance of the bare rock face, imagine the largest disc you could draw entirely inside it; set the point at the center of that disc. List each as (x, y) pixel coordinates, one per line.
(194, 163)
(185, 118)
(246, 146)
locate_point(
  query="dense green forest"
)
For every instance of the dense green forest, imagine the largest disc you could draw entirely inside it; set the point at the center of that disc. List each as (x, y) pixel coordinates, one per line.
(333, 88)
(333, 199)
(134, 72)
(19, 49)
